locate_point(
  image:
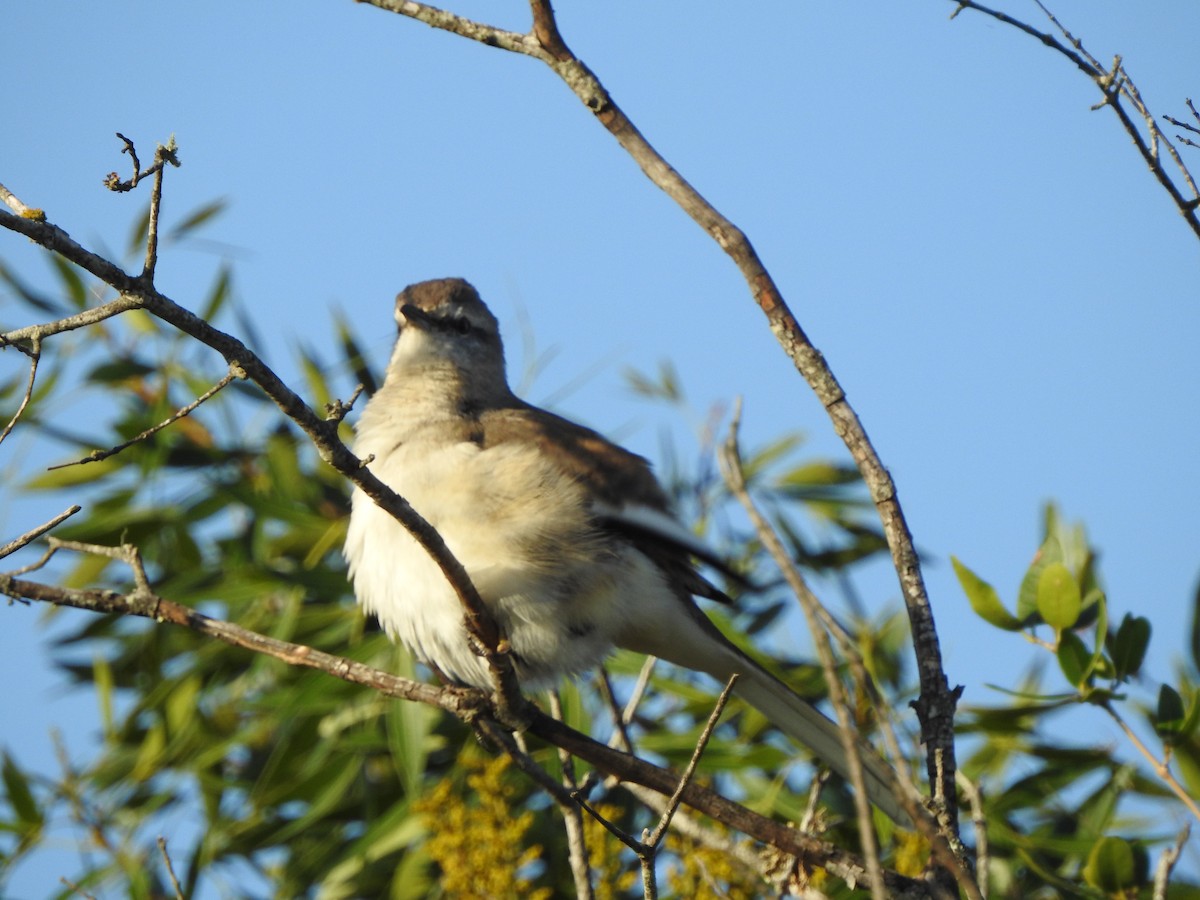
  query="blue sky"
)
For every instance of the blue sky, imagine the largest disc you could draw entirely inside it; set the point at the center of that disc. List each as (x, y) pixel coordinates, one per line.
(1007, 296)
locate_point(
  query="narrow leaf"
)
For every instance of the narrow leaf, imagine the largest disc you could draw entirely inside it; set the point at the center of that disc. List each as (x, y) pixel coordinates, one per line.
(984, 599)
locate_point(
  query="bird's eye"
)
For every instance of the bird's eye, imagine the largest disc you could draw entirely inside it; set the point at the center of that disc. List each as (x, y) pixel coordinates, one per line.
(462, 325)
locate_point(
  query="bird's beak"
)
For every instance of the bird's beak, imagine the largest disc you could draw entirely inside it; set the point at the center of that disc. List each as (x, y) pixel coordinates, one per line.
(413, 315)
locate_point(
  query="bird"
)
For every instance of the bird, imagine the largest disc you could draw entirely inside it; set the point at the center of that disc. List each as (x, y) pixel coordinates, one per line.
(568, 538)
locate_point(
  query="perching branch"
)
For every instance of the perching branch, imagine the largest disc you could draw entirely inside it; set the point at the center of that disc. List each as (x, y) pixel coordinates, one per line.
(473, 707)
(138, 292)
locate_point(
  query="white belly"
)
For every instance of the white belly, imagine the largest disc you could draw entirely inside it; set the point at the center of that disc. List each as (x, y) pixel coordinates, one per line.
(559, 588)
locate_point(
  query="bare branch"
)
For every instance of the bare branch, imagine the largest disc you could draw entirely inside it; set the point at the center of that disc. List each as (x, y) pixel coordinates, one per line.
(33, 534)
(32, 333)
(475, 31)
(1166, 863)
(138, 293)
(1160, 767)
(235, 371)
(673, 803)
(577, 853)
(1114, 84)
(982, 854)
(13, 202)
(34, 352)
(162, 848)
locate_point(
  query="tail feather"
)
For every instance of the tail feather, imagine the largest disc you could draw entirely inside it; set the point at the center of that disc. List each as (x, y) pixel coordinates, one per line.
(702, 646)
(804, 723)
(694, 642)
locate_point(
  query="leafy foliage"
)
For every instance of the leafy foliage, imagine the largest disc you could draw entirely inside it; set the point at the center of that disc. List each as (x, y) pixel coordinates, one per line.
(1062, 823)
(270, 780)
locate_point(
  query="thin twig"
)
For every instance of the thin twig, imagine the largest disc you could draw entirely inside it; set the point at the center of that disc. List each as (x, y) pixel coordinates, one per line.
(664, 821)
(1161, 768)
(979, 822)
(1166, 863)
(1114, 84)
(76, 888)
(34, 352)
(577, 852)
(33, 534)
(235, 372)
(162, 848)
(731, 467)
(162, 156)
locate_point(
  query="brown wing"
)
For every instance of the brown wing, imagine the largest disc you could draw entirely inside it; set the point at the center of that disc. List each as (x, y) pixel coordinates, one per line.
(616, 477)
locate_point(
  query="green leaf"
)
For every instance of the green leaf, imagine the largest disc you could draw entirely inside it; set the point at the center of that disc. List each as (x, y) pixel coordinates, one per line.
(984, 599)
(72, 282)
(1170, 715)
(1129, 646)
(19, 794)
(1110, 866)
(218, 295)
(1195, 642)
(198, 217)
(1050, 552)
(1074, 658)
(102, 679)
(1058, 599)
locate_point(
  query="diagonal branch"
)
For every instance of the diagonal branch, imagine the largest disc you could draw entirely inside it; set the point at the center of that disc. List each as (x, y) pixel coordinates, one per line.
(937, 702)
(137, 292)
(470, 706)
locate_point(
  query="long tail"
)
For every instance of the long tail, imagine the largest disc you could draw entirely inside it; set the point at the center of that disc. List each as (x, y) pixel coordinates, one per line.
(804, 723)
(694, 642)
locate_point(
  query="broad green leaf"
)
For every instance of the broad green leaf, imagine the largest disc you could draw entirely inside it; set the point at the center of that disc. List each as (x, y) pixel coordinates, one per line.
(1169, 717)
(1195, 641)
(217, 295)
(1129, 645)
(1058, 599)
(1115, 865)
(1074, 658)
(1050, 552)
(149, 756)
(984, 599)
(71, 476)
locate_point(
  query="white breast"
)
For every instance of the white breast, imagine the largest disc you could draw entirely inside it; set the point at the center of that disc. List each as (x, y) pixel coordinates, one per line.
(559, 588)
